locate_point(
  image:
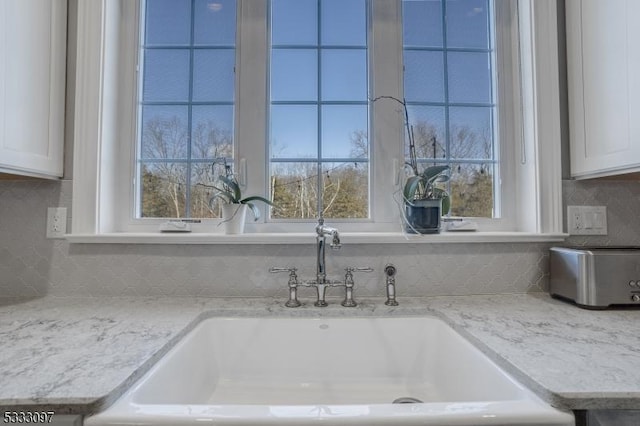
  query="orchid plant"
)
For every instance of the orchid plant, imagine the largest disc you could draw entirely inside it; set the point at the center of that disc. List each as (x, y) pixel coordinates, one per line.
(228, 190)
(421, 185)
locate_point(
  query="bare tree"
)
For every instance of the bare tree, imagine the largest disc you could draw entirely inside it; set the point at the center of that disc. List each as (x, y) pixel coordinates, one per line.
(294, 186)
(165, 141)
(471, 184)
(359, 144)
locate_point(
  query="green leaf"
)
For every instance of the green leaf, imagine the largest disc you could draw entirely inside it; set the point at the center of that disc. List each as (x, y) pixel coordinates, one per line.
(254, 210)
(411, 186)
(234, 188)
(256, 198)
(432, 173)
(446, 199)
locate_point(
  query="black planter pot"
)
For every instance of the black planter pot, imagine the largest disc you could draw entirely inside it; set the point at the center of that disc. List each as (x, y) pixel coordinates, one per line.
(423, 216)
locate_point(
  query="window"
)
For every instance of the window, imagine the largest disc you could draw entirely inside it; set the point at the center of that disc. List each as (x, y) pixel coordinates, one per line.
(319, 115)
(186, 105)
(449, 88)
(319, 95)
(523, 172)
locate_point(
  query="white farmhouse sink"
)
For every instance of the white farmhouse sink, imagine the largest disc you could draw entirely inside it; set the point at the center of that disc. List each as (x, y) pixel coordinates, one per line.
(339, 371)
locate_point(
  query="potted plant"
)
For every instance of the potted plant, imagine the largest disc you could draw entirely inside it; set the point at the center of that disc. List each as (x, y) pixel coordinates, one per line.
(234, 205)
(423, 202)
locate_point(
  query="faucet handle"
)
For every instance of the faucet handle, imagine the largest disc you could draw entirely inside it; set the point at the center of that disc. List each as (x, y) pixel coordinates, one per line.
(293, 285)
(275, 269)
(349, 284)
(293, 277)
(358, 269)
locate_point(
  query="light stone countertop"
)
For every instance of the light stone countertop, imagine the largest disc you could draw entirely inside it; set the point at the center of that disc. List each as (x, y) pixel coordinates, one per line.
(78, 355)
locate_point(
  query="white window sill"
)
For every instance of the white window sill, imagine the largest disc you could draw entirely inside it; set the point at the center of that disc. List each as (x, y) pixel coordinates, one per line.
(308, 237)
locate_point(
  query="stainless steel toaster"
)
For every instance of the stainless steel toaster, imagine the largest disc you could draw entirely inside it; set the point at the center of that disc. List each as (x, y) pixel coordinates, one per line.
(595, 277)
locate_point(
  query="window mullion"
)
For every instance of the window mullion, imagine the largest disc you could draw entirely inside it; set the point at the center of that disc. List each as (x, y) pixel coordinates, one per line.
(387, 121)
(319, 167)
(251, 130)
(445, 63)
(187, 190)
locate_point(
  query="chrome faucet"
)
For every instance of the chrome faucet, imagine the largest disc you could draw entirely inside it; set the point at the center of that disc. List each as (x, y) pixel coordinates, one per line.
(322, 231)
(321, 283)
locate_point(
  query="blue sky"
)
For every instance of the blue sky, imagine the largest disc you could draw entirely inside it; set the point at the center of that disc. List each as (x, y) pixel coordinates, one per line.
(296, 39)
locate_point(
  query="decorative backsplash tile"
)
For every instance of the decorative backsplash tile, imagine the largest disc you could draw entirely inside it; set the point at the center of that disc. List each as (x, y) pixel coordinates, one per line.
(622, 199)
(31, 265)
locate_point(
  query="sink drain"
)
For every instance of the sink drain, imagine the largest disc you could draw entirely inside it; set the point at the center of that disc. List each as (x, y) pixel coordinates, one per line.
(406, 400)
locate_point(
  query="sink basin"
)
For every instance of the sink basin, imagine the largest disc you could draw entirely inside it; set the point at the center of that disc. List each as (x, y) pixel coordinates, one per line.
(342, 371)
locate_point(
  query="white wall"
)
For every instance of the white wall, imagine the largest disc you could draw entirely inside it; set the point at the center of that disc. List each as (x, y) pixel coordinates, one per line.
(31, 265)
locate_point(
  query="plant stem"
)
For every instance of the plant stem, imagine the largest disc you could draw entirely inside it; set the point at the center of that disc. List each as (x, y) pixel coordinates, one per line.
(413, 161)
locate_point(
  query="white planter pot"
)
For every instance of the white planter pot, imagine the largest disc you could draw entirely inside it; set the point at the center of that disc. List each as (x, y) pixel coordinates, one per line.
(233, 216)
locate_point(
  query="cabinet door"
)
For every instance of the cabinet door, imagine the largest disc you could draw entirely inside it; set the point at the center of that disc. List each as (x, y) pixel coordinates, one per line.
(32, 86)
(603, 60)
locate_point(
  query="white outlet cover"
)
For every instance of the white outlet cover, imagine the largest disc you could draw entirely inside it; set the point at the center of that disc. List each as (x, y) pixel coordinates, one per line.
(587, 220)
(56, 222)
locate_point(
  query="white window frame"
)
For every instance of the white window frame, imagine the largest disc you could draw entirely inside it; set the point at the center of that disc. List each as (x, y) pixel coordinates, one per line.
(106, 105)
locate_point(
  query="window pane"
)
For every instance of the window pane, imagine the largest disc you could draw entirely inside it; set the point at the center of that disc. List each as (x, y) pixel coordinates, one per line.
(212, 131)
(451, 103)
(471, 132)
(186, 104)
(166, 75)
(213, 76)
(468, 23)
(422, 23)
(215, 22)
(294, 22)
(344, 75)
(344, 131)
(331, 124)
(423, 76)
(294, 131)
(428, 131)
(345, 190)
(344, 186)
(163, 189)
(472, 190)
(294, 188)
(168, 22)
(294, 75)
(344, 22)
(469, 77)
(164, 132)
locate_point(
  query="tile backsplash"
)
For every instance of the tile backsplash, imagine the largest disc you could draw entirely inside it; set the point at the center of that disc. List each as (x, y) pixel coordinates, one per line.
(31, 265)
(622, 199)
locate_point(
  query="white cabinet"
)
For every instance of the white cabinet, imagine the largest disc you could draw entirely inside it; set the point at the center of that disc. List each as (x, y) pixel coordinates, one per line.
(603, 65)
(32, 86)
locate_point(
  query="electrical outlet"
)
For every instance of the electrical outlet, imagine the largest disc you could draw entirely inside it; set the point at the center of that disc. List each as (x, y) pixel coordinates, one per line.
(56, 222)
(587, 220)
